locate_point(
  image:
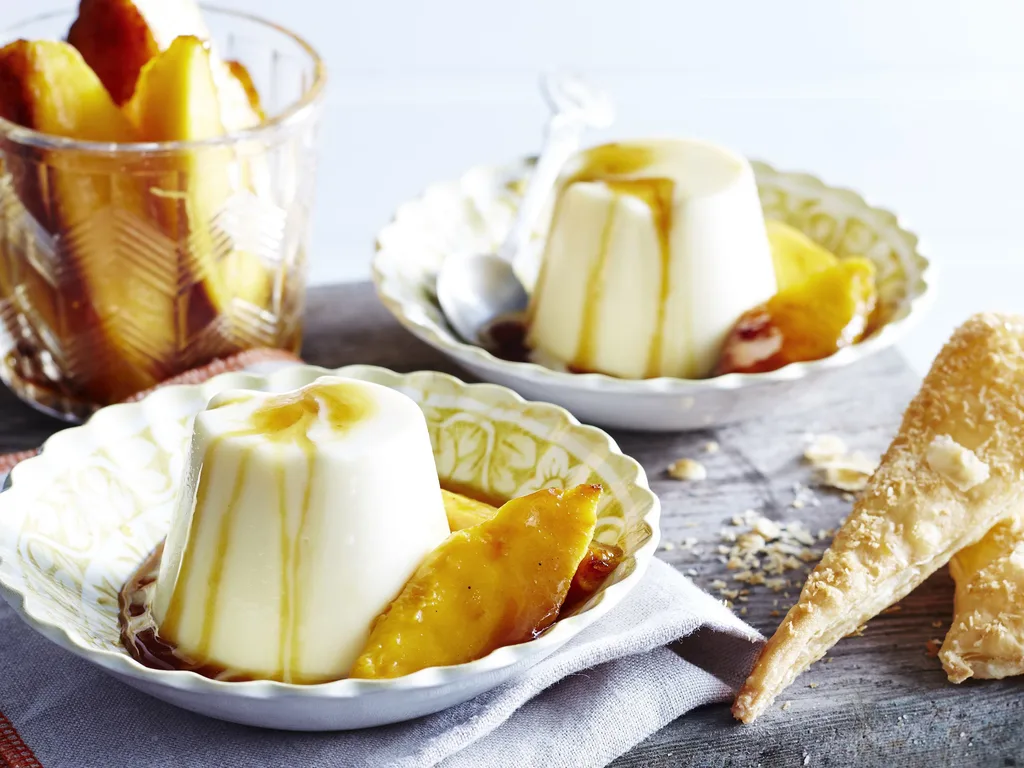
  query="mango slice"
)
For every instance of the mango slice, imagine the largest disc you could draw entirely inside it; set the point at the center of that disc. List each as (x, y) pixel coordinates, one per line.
(795, 255)
(497, 583)
(117, 38)
(465, 512)
(241, 74)
(94, 312)
(830, 310)
(116, 42)
(176, 100)
(599, 561)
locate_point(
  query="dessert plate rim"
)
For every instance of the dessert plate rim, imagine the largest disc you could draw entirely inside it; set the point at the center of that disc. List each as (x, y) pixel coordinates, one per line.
(916, 301)
(37, 468)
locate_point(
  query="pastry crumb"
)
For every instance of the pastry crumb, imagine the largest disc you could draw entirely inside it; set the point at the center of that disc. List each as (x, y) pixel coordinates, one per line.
(936, 624)
(859, 631)
(667, 546)
(957, 464)
(768, 529)
(687, 470)
(839, 468)
(893, 609)
(804, 497)
(711, 447)
(932, 647)
(824, 448)
(786, 705)
(850, 474)
(812, 685)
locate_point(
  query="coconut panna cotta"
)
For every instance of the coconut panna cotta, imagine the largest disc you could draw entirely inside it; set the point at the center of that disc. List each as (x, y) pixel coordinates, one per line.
(654, 252)
(301, 517)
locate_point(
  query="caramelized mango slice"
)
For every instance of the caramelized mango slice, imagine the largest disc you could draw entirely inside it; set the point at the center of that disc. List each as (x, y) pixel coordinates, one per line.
(808, 321)
(241, 74)
(116, 41)
(464, 512)
(177, 100)
(497, 583)
(117, 38)
(599, 561)
(795, 255)
(47, 86)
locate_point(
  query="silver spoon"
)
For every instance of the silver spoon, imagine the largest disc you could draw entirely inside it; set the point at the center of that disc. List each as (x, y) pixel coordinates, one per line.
(476, 289)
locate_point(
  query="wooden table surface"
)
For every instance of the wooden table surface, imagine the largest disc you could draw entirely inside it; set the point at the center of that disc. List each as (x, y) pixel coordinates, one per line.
(881, 695)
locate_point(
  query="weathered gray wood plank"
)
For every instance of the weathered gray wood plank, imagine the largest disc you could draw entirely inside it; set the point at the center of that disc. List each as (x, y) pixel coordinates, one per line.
(881, 696)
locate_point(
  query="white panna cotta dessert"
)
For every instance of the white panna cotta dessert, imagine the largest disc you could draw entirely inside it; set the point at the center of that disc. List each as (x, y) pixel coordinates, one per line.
(301, 517)
(654, 251)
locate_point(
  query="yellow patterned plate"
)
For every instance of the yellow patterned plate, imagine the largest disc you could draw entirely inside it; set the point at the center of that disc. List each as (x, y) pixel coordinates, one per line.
(81, 516)
(471, 215)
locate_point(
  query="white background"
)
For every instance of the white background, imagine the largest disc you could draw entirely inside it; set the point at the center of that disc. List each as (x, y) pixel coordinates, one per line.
(918, 104)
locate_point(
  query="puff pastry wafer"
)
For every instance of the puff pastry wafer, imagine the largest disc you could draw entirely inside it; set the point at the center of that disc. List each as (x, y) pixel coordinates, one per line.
(986, 639)
(953, 471)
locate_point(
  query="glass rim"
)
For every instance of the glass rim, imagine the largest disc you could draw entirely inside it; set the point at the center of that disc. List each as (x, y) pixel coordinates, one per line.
(294, 114)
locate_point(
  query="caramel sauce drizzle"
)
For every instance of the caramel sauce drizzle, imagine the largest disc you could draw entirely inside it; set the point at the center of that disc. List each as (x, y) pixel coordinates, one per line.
(615, 165)
(283, 419)
(586, 349)
(656, 193)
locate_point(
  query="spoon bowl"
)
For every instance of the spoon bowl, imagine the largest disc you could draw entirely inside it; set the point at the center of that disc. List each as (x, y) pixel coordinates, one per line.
(476, 289)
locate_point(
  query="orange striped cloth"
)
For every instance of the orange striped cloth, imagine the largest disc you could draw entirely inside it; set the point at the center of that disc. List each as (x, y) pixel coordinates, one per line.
(237, 362)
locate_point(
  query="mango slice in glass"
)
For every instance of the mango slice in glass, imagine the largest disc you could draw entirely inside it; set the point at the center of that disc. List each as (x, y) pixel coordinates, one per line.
(176, 99)
(828, 311)
(795, 255)
(497, 583)
(98, 317)
(117, 38)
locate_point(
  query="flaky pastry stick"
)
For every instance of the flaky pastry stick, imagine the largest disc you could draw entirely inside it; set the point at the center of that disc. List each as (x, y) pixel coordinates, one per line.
(955, 469)
(986, 638)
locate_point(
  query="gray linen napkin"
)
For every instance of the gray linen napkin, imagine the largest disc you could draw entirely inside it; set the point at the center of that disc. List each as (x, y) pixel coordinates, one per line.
(666, 649)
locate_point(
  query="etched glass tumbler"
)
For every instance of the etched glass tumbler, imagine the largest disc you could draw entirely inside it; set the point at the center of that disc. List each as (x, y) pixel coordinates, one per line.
(124, 264)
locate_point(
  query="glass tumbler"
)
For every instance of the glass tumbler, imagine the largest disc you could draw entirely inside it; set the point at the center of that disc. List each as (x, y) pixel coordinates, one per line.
(124, 264)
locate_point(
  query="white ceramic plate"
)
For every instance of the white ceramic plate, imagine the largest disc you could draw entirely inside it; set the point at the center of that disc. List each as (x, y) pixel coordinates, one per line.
(79, 518)
(474, 212)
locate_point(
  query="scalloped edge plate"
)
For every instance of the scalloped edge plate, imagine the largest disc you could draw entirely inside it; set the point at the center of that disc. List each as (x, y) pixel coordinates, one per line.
(344, 703)
(404, 270)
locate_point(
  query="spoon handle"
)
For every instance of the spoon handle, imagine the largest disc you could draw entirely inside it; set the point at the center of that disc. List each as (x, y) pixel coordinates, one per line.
(564, 132)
